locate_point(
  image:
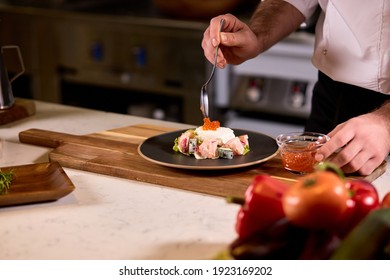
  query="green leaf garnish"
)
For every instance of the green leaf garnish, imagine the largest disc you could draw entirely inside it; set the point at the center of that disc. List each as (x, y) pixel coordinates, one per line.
(5, 181)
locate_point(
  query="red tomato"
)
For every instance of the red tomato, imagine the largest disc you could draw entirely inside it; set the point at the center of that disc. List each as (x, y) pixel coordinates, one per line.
(386, 201)
(317, 200)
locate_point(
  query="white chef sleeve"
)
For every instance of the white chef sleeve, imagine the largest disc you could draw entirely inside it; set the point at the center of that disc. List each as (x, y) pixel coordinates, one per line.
(306, 7)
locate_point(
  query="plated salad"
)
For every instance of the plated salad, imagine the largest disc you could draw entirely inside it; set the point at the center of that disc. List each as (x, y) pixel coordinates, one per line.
(211, 141)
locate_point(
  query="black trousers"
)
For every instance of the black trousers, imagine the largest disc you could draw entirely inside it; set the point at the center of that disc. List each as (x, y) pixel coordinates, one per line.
(335, 102)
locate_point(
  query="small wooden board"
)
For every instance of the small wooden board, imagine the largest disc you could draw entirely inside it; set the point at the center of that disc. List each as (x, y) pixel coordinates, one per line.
(34, 183)
(21, 109)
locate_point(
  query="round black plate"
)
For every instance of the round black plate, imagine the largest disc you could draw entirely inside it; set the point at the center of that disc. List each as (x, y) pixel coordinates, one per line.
(158, 149)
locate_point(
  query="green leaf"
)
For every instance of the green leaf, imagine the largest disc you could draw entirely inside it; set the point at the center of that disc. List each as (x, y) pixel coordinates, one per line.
(5, 181)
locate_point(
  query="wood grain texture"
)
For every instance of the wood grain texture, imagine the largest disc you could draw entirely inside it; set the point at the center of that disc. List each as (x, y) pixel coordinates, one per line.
(21, 109)
(114, 152)
(36, 183)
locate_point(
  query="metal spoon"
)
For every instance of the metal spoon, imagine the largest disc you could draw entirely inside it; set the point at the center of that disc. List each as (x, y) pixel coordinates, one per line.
(204, 98)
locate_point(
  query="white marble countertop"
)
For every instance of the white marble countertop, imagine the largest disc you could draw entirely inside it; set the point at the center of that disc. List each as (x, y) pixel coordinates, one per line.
(107, 217)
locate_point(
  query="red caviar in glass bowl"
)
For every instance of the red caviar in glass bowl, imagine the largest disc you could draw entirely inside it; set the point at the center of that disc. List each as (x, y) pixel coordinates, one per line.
(298, 150)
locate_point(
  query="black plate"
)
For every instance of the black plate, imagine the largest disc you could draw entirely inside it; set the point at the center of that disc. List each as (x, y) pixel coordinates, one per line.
(158, 149)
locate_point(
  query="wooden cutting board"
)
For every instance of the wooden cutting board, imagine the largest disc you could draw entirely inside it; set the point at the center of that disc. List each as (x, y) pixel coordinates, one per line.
(114, 152)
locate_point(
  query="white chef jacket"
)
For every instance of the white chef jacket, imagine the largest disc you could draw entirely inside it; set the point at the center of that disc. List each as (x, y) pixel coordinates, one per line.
(352, 41)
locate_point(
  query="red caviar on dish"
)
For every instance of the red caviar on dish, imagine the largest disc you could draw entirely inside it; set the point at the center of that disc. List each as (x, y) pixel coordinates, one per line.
(210, 125)
(211, 141)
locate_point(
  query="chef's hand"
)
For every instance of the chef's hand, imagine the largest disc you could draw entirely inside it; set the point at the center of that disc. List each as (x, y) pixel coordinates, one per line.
(360, 144)
(237, 41)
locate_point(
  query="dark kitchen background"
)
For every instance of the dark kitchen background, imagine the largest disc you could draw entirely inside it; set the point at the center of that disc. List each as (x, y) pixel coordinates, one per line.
(144, 58)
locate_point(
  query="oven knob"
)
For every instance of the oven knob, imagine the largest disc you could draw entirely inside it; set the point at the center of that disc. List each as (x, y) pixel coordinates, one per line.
(140, 56)
(297, 98)
(97, 52)
(159, 114)
(125, 78)
(253, 93)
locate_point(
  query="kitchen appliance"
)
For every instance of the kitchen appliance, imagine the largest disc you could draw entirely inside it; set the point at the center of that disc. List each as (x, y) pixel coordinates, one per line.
(122, 56)
(131, 67)
(113, 55)
(6, 96)
(271, 92)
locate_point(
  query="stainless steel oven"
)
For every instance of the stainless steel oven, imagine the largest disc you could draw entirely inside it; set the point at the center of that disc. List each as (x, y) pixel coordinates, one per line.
(128, 57)
(143, 67)
(115, 55)
(271, 92)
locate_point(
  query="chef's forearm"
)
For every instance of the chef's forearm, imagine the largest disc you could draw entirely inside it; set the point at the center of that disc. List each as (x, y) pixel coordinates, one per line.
(273, 20)
(384, 113)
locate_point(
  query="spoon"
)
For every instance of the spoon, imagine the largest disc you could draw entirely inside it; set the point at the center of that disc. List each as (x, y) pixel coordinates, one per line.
(204, 98)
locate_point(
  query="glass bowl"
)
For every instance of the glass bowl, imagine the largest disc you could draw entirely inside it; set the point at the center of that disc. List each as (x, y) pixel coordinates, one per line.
(298, 149)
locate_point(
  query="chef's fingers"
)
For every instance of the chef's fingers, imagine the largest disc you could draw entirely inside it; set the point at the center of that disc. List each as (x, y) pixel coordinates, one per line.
(347, 152)
(207, 45)
(214, 30)
(337, 141)
(231, 25)
(237, 41)
(209, 50)
(362, 163)
(211, 39)
(351, 157)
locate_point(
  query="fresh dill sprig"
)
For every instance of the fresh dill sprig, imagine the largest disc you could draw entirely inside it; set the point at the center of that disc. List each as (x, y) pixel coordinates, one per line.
(5, 181)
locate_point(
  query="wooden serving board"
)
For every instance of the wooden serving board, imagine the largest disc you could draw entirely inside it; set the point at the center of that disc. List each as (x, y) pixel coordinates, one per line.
(21, 109)
(34, 183)
(114, 152)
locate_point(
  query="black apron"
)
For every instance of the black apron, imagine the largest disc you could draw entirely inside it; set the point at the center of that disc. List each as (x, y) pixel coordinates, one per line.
(335, 102)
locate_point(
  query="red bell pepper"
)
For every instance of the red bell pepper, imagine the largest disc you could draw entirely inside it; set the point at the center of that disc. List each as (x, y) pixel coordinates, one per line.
(261, 207)
(363, 199)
